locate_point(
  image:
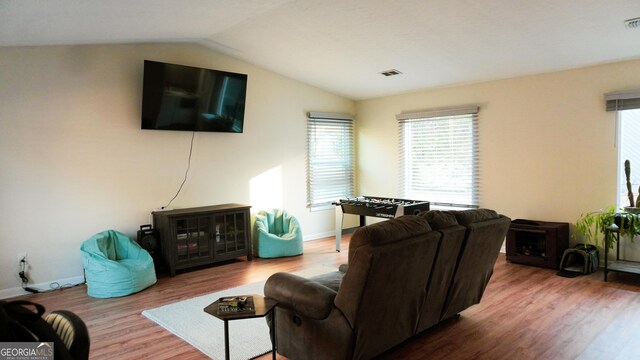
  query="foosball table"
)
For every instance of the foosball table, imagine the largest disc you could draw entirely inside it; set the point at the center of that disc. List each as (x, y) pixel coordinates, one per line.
(377, 207)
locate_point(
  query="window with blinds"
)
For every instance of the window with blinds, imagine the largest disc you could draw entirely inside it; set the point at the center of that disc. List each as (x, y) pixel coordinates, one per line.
(627, 106)
(439, 156)
(330, 158)
(628, 149)
(622, 100)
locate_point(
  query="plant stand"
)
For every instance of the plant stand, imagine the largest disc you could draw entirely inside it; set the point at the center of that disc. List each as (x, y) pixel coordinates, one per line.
(618, 265)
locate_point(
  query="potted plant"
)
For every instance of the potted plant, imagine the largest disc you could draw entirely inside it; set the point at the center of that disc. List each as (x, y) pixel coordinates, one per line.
(592, 226)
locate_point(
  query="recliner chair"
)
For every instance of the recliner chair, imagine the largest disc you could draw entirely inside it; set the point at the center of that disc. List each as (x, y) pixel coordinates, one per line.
(276, 233)
(72, 332)
(22, 321)
(404, 276)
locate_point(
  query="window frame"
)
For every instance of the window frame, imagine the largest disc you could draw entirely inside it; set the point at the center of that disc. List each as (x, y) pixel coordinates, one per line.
(452, 198)
(330, 175)
(620, 102)
(621, 198)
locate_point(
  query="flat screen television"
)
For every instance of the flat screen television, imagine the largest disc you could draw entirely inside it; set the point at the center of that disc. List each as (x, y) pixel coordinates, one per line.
(178, 97)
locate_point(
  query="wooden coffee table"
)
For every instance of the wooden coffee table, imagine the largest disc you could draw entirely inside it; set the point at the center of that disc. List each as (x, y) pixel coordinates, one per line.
(263, 308)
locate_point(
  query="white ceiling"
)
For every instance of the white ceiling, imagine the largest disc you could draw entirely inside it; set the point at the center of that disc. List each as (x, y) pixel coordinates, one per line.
(343, 45)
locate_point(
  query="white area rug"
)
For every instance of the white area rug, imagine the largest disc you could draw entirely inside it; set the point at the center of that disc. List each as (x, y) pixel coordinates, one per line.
(248, 338)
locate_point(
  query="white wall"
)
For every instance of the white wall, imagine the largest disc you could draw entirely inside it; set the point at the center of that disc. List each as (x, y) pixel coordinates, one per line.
(546, 143)
(73, 160)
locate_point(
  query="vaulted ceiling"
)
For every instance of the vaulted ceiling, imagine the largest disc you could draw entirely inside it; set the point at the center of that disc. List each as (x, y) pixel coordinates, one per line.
(343, 45)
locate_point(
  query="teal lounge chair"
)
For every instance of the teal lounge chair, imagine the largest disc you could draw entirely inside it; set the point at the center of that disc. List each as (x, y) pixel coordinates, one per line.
(276, 234)
(115, 265)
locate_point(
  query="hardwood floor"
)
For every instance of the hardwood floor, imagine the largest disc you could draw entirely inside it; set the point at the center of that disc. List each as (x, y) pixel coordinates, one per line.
(526, 313)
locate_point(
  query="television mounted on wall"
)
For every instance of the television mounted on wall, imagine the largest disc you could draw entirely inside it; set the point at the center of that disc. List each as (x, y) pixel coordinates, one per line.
(187, 98)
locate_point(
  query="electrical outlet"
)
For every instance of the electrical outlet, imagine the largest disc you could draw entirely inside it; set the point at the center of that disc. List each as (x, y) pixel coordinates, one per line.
(22, 255)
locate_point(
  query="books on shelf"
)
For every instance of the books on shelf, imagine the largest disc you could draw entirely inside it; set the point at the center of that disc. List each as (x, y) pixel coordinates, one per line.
(193, 234)
(236, 305)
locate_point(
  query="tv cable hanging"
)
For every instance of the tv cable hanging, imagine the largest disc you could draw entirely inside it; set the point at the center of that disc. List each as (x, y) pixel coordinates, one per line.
(193, 134)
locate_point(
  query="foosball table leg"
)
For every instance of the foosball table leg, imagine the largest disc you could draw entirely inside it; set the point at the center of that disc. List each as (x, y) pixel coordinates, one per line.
(339, 217)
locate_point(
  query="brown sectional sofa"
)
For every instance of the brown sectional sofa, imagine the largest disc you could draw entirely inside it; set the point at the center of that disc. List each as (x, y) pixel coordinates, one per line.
(404, 276)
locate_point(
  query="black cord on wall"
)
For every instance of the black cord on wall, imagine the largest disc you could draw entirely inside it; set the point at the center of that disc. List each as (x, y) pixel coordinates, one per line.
(185, 173)
(23, 276)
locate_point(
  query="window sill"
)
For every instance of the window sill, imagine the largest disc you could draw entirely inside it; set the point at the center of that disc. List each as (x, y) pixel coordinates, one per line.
(449, 207)
(322, 208)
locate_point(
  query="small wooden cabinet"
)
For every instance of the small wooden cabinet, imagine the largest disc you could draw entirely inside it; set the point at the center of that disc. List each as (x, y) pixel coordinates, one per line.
(204, 235)
(538, 243)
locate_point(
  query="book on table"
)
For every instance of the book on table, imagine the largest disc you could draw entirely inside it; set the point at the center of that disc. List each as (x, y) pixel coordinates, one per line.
(236, 305)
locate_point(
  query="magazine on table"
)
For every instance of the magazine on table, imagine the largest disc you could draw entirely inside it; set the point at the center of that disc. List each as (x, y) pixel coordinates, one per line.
(236, 305)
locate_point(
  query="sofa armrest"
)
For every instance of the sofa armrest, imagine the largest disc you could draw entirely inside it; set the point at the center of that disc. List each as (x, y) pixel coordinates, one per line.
(301, 295)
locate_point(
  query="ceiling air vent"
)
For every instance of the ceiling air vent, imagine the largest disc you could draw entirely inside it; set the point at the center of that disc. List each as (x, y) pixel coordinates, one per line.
(391, 72)
(632, 23)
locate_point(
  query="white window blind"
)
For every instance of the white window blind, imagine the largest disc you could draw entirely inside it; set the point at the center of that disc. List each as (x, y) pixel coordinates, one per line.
(330, 158)
(439, 156)
(627, 105)
(628, 149)
(622, 100)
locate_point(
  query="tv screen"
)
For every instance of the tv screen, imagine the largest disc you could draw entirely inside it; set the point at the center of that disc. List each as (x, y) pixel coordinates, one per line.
(178, 97)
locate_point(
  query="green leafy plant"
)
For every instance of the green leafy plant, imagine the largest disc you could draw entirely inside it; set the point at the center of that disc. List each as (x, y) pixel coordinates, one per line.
(592, 226)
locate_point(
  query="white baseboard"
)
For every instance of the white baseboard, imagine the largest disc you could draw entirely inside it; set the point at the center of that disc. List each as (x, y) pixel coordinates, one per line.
(327, 234)
(318, 236)
(56, 284)
(72, 281)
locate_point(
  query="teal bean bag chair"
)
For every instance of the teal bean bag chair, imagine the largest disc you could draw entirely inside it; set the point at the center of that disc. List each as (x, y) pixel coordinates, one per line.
(275, 234)
(115, 265)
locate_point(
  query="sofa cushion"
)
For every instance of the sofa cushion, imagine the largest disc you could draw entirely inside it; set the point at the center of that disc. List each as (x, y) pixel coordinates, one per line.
(466, 217)
(483, 241)
(302, 295)
(439, 219)
(388, 231)
(331, 280)
(392, 230)
(382, 292)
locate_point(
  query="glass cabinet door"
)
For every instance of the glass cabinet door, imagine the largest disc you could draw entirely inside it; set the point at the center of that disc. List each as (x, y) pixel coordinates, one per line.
(192, 238)
(230, 233)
